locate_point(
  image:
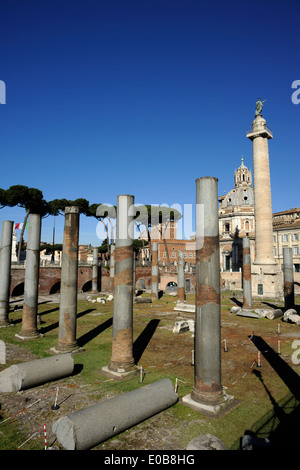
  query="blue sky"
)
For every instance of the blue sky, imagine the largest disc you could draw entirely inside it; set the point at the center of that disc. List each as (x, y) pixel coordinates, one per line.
(143, 97)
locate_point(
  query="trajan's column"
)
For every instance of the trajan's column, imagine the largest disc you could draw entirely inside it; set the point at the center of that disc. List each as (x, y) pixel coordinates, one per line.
(266, 275)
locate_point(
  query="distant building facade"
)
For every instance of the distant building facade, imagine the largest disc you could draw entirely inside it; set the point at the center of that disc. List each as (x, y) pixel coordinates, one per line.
(286, 234)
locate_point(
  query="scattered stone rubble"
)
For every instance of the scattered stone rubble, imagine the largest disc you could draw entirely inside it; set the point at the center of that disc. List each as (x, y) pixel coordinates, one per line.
(291, 316)
(100, 300)
(268, 313)
(184, 325)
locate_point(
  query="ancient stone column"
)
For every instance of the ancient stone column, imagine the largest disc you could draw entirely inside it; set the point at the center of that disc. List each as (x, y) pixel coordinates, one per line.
(288, 273)
(68, 285)
(14, 246)
(180, 277)
(95, 270)
(134, 271)
(266, 275)
(154, 289)
(5, 269)
(247, 291)
(112, 268)
(122, 360)
(207, 394)
(259, 135)
(31, 283)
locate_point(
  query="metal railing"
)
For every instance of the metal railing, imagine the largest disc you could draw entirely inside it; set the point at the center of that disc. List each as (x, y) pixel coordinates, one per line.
(259, 129)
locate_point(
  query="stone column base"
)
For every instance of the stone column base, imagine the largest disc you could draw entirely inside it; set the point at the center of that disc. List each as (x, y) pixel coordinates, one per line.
(64, 347)
(72, 351)
(209, 409)
(4, 324)
(120, 372)
(29, 337)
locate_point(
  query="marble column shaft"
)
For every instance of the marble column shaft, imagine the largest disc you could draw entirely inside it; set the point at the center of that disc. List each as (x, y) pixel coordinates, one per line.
(31, 283)
(122, 342)
(288, 273)
(180, 277)
(5, 270)
(247, 290)
(207, 380)
(69, 279)
(95, 270)
(154, 291)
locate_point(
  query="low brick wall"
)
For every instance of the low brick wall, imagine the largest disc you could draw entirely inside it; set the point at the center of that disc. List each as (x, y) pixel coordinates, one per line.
(49, 279)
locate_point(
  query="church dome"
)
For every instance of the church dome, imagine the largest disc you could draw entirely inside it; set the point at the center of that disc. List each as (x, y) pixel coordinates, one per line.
(239, 196)
(243, 193)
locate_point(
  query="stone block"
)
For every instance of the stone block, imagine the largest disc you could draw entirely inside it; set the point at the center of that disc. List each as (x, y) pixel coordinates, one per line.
(247, 313)
(235, 309)
(181, 326)
(183, 307)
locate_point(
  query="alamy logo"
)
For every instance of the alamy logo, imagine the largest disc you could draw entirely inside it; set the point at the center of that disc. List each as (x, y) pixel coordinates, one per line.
(2, 92)
(295, 355)
(296, 94)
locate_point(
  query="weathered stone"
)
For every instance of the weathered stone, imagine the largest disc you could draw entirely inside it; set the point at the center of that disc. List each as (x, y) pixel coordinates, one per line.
(122, 334)
(206, 442)
(2, 352)
(142, 300)
(181, 277)
(207, 395)
(247, 313)
(88, 427)
(191, 325)
(271, 314)
(291, 316)
(288, 274)
(32, 373)
(290, 311)
(247, 290)
(5, 269)
(181, 327)
(172, 294)
(31, 284)
(183, 307)
(69, 280)
(155, 272)
(235, 309)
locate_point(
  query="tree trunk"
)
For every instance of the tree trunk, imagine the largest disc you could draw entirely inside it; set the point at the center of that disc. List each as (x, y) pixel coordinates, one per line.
(107, 236)
(22, 234)
(164, 241)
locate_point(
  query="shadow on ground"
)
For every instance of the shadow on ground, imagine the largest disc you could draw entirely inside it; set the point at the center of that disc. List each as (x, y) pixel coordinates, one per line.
(281, 425)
